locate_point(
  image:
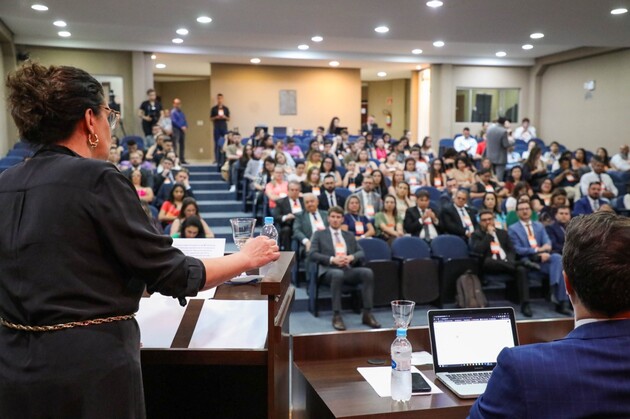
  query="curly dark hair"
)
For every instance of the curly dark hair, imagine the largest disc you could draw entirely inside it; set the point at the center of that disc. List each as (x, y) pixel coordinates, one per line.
(47, 103)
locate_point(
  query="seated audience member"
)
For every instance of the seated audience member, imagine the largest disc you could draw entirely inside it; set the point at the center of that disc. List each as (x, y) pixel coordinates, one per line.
(329, 168)
(189, 208)
(558, 199)
(354, 221)
(379, 152)
(556, 164)
(462, 174)
(114, 156)
(586, 374)
(449, 156)
(170, 209)
(606, 207)
(182, 178)
(426, 149)
(308, 221)
(167, 172)
(330, 198)
(556, 230)
(153, 221)
(263, 177)
(397, 177)
(279, 150)
(591, 202)
(365, 165)
(553, 155)
(413, 177)
(620, 161)
(391, 165)
(155, 153)
(491, 202)
(436, 176)
(534, 169)
(277, 188)
(422, 166)
(449, 192)
(144, 192)
(525, 131)
(520, 189)
(313, 159)
(578, 162)
(457, 218)
(380, 185)
(532, 242)
(387, 222)
(353, 178)
(371, 201)
(513, 159)
(238, 168)
(299, 175)
(602, 153)
(192, 228)
(132, 147)
(486, 184)
(254, 165)
(338, 256)
(312, 183)
(466, 142)
(486, 163)
(608, 188)
(544, 193)
(515, 176)
(495, 248)
(511, 217)
(136, 161)
(420, 220)
(403, 198)
(286, 209)
(293, 149)
(566, 177)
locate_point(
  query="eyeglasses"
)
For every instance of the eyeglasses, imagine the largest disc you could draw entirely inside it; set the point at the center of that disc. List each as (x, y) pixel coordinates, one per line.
(113, 117)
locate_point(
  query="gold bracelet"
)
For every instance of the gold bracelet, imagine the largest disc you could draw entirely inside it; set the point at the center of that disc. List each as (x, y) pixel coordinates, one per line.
(63, 326)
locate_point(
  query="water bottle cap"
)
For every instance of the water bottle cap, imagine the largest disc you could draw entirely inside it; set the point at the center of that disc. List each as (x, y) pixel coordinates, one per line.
(401, 333)
(268, 220)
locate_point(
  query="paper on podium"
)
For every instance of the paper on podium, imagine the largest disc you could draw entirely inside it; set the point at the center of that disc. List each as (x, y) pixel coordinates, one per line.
(202, 249)
(231, 324)
(159, 318)
(380, 378)
(421, 358)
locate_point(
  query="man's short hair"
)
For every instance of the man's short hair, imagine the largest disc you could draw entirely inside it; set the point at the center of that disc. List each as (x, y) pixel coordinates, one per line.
(335, 210)
(220, 94)
(421, 193)
(529, 204)
(594, 183)
(150, 91)
(566, 207)
(466, 129)
(483, 171)
(184, 170)
(596, 258)
(295, 183)
(167, 139)
(597, 159)
(329, 176)
(130, 143)
(564, 158)
(485, 211)
(501, 120)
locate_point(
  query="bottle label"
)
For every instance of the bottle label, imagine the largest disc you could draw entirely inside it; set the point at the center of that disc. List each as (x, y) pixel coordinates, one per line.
(393, 364)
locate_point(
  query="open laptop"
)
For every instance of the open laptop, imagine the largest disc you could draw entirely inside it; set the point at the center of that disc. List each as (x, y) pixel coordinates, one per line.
(465, 344)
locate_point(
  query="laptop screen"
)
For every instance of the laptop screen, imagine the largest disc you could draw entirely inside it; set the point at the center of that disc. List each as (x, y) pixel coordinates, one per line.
(470, 339)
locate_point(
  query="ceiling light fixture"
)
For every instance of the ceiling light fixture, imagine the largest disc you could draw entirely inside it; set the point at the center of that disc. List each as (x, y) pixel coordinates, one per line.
(438, 44)
(39, 7)
(416, 51)
(537, 35)
(182, 31)
(527, 46)
(381, 74)
(64, 34)
(619, 11)
(153, 56)
(204, 19)
(160, 66)
(317, 38)
(418, 67)
(381, 29)
(334, 63)
(435, 3)
(255, 61)
(501, 54)
(303, 47)
(177, 40)
(60, 23)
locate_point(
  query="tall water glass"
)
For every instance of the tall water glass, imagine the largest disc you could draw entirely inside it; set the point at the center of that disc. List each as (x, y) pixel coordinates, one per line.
(402, 310)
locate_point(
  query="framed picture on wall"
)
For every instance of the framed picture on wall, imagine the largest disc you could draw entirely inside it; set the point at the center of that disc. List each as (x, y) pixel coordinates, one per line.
(288, 102)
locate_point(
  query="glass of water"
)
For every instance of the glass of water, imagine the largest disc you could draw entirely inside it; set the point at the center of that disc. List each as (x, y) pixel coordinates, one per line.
(242, 230)
(402, 310)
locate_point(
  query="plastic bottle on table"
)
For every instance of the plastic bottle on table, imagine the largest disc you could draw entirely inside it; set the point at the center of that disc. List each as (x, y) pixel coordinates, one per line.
(268, 230)
(401, 367)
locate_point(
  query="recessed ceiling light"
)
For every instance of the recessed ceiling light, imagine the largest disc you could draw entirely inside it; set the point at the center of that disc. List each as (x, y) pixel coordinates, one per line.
(153, 56)
(204, 19)
(60, 23)
(501, 54)
(334, 64)
(182, 31)
(527, 46)
(619, 11)
(177, 40)
(438, 44)
(39, 7)
(160, 66)
(317, 38)
(255, 61)
(381, 74)
(434, 3)
(418, 67)
(537, 35)
(381, 29)
(64, 34)
(416, 51)
(303, 47)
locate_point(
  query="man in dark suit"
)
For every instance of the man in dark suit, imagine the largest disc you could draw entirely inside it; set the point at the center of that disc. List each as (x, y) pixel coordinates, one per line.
(497, 251)
(457, 218)
(420, 220)
(590, 203)
(586, 374)
(339, 257)
(532, 242)
(309, 221)
(498, 140)
(136, 161)
(286, 210)
(556, 230)
(330, 197)
(369, 125)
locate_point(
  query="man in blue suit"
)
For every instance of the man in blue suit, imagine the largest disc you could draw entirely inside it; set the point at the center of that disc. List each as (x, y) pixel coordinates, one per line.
(557, 230)
(532, 242)
(586, 374)
(590, 203)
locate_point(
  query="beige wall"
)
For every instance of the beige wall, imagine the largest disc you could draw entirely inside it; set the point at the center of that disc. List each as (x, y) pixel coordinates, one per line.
(8, 130)
(569, 117)
(390, 96)
(195, 97)
(252, 94)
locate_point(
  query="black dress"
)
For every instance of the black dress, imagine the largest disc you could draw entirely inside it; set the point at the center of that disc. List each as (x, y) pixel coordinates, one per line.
(76, 245)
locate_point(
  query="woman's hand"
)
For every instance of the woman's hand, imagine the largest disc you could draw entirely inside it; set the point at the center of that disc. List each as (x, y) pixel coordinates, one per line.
(260, 251)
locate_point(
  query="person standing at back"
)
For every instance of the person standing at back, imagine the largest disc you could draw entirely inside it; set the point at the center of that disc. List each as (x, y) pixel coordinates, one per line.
(219, 115)
(180, 127)
(498, 141)
(150, 112)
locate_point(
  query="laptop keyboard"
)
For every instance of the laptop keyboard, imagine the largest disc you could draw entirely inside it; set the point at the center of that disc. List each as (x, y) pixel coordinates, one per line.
(470, 377)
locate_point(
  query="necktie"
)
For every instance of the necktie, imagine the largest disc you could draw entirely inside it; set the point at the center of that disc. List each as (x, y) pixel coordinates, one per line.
(337, 238)
(425, 227)
(529, 230)
(330, 200)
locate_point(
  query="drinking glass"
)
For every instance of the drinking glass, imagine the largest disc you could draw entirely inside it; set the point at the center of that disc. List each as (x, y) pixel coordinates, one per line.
(402, 310)
(242, 230)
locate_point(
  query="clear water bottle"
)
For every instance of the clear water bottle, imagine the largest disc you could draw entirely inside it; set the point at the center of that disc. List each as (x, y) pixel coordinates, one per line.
(401, 367)
(268, 230)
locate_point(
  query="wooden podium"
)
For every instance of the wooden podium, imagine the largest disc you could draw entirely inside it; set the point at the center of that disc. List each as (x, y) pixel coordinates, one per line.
(227, 383)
